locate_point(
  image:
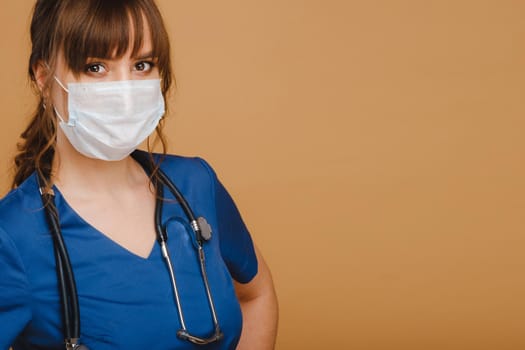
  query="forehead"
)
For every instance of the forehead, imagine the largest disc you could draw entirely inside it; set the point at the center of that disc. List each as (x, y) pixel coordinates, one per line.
(135, 47)
(107, 32)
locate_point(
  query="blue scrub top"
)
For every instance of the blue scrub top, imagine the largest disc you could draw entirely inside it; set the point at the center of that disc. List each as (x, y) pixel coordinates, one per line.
(126, 301)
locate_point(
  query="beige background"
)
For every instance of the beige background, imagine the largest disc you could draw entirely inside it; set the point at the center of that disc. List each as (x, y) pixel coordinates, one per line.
(375, 149)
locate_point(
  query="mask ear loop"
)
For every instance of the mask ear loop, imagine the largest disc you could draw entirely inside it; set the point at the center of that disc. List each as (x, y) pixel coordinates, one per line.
(60, 83)
(54, 108)
(63, 88)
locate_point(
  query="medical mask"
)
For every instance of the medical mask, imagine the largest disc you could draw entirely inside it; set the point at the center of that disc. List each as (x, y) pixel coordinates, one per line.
(109, 120)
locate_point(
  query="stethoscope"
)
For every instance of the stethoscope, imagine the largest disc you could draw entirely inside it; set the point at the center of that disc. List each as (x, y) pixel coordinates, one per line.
(66, 279)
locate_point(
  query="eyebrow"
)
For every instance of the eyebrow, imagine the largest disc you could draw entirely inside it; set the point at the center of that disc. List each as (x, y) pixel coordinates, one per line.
(144, 56)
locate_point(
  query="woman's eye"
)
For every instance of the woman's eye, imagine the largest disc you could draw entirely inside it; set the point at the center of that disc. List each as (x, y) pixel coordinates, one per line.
(143, 66)
(95, 68)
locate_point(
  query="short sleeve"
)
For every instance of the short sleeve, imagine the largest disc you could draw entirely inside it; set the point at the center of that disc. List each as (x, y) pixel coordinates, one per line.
(15, 311)
(235, 241)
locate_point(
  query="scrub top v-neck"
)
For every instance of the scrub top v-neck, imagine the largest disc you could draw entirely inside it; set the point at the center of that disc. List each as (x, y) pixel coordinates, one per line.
(126, 301)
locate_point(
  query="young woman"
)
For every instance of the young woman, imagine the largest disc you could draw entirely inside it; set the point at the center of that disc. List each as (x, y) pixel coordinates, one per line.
(106, 246)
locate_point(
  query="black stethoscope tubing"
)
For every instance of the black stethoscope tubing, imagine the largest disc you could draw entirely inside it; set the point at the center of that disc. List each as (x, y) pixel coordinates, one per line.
(66, 280)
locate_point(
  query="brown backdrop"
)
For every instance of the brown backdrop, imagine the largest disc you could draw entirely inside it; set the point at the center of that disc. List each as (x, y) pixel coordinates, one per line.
(375, 149)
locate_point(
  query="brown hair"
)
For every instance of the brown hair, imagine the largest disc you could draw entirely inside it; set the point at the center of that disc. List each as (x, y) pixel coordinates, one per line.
(79, 30)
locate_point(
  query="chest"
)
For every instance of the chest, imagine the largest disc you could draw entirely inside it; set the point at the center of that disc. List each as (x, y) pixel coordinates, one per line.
(127, 301)
(126, 219)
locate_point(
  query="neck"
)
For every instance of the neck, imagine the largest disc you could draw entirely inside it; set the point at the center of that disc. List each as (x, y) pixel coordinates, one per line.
(74, 170)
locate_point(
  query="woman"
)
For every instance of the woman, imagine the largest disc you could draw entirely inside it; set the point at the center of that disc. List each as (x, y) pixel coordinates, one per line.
(83, 195)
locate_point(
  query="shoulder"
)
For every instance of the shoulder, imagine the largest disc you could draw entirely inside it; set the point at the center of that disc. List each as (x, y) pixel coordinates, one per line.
(23, 199)
(22, 196)
(193, 176)
(194, 164)
(21, 212)
(186, 169)
(16, 196)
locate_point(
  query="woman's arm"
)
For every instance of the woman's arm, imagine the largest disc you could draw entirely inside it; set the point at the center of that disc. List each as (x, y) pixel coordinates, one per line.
(259, 308)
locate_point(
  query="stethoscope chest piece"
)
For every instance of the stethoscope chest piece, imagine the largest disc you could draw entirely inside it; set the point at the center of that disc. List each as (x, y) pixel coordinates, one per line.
(73, 344)
(81, 347)
(205, 228)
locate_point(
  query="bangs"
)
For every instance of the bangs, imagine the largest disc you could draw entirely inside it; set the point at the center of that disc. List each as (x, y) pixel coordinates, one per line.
(108, 29)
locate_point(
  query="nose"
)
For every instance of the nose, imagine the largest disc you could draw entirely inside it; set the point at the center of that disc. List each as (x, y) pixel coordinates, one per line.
(123, 72)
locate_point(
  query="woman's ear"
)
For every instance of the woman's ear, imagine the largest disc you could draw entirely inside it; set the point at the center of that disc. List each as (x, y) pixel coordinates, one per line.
(41, 72)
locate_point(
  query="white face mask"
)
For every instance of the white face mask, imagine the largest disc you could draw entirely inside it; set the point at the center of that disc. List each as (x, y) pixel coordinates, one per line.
(109, 120)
